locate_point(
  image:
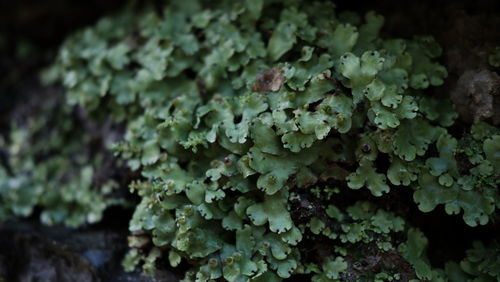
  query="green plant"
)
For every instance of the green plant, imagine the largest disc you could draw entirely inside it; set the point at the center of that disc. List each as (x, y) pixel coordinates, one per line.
(51, 164)
(494, 57)
(236, 111)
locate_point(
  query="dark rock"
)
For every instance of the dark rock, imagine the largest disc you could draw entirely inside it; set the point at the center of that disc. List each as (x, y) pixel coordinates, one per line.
(477, 96)
(30, 252)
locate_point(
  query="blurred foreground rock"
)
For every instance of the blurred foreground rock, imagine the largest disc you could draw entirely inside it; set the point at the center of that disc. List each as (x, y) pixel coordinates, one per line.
(30, 252)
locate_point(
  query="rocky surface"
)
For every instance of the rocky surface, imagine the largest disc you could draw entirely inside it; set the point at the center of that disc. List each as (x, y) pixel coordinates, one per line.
(40, 253)
(476, 95)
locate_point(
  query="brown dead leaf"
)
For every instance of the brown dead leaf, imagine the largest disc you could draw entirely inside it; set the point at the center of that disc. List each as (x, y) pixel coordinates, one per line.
(269, 80)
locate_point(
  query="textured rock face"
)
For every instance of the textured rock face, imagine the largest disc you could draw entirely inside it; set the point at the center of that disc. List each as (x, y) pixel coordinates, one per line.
(477, 96)
(30, 252)
(46, 261)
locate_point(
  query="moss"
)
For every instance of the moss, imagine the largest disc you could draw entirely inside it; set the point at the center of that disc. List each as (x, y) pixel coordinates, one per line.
(50, 163)
(232, 107)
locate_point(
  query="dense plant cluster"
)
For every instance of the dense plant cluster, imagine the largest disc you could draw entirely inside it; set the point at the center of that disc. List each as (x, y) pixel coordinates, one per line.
(50, 163)
(248, 121)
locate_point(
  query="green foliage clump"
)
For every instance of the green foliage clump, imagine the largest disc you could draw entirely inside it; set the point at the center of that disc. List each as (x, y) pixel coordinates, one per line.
(236, 110)
(494, 57)
(474, 189)
(49, 164)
